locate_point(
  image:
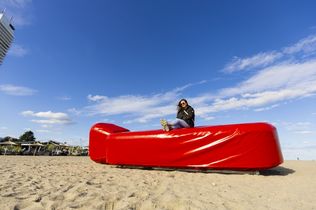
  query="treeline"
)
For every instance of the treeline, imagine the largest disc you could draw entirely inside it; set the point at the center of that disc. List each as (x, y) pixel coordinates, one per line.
(25, 137)
(26, 144)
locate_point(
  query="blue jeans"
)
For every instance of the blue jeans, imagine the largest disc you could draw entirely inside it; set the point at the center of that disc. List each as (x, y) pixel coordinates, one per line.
(178, 123)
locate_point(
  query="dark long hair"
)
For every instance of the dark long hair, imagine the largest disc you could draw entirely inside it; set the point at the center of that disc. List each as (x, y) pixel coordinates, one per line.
(179, 107)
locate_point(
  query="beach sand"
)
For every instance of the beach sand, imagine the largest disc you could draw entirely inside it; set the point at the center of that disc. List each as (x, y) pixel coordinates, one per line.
(79, 183)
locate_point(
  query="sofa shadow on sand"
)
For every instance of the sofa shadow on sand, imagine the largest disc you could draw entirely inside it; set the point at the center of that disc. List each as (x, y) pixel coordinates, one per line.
(277, 171)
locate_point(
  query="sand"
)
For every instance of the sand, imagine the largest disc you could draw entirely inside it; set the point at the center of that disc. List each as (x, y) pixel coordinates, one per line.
(79, 183)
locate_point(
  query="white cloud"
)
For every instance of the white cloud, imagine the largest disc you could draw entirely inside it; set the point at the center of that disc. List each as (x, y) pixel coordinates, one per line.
(17, 50)
(48, 117)
(46, 126)
(300, 50)
(264, 98)
(276, 77)
(64, 98)
(121, 104)
(304, 132)
(206, 116)
(266, 108)
(299, 127)
(259, 60)
(265, 90)
(96, 98)
(141, 108)
(270, 85)
(306, 45)
(16, 90)
(147, 107)
(43, 131)
(75, 111)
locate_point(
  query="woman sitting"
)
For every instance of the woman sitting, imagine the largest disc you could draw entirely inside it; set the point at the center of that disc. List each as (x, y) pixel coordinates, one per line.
(185, 117)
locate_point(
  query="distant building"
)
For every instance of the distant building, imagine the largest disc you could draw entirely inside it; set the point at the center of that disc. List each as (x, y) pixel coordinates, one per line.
(6, 35)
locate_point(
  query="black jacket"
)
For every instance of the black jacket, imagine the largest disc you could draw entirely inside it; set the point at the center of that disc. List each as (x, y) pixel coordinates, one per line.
(187, 115)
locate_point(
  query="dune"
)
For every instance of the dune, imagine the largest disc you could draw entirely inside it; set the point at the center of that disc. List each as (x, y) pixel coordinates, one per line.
(42, 182)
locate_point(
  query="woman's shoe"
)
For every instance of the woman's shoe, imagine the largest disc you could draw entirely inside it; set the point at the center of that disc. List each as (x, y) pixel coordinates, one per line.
(164, 124)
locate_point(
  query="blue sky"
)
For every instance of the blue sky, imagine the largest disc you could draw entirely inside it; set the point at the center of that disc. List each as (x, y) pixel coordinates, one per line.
(75, 63)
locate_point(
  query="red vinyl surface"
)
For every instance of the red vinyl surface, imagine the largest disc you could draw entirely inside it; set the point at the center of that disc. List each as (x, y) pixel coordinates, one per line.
(237, 146)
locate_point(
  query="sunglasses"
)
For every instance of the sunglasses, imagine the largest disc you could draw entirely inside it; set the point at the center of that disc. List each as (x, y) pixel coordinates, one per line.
(183, 103)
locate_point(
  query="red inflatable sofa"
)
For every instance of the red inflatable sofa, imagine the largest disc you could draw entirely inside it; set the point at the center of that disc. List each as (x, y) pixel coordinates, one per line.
(251, 146)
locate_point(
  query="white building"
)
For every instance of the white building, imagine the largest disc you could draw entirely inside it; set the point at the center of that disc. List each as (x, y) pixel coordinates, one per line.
(6, 36)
